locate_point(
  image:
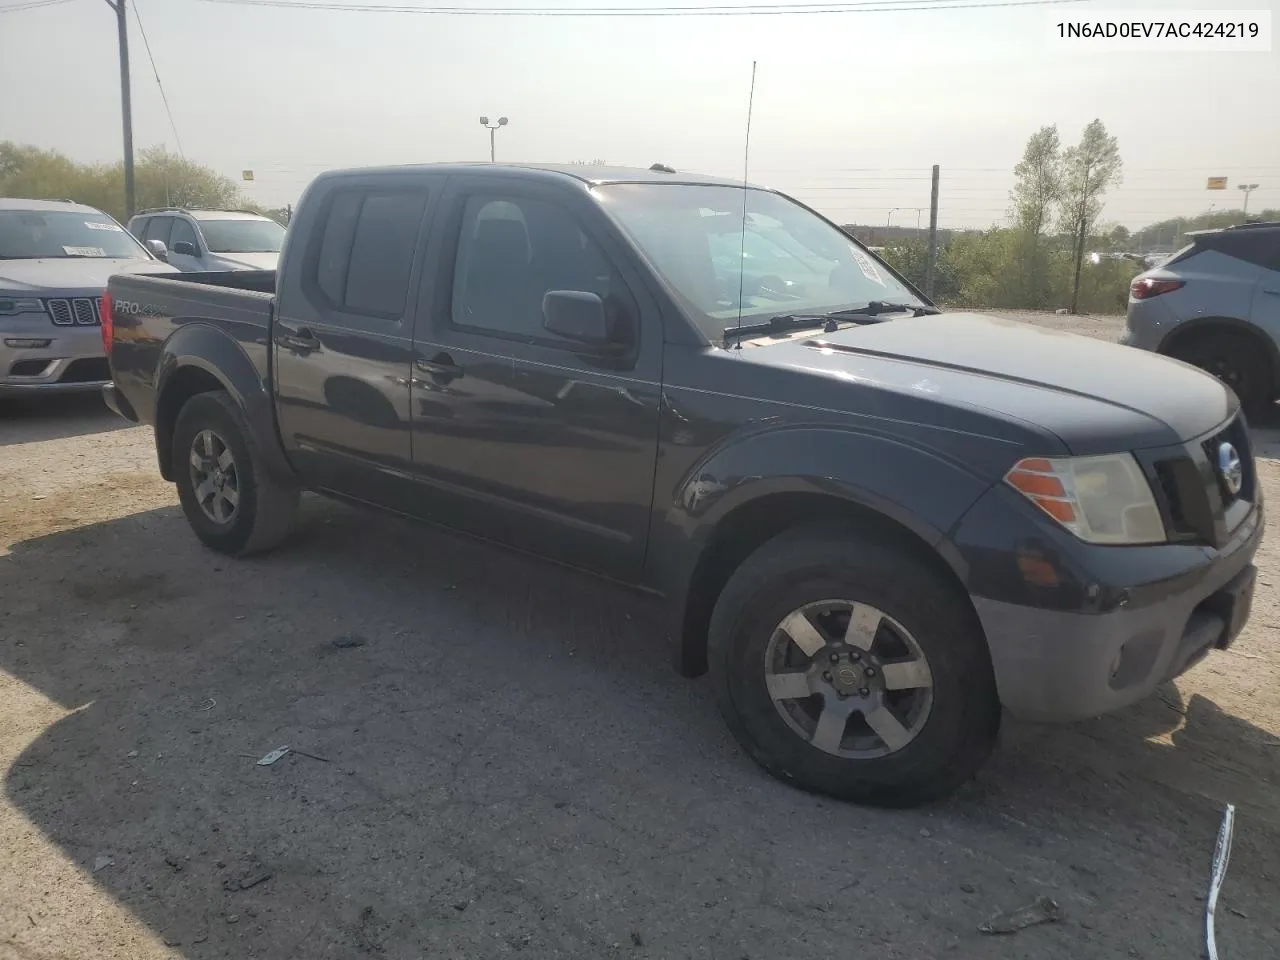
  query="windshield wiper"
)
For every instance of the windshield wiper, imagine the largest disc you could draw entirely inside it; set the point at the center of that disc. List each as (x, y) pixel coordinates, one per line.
(876, 307)
(828, 321)
(785, 322)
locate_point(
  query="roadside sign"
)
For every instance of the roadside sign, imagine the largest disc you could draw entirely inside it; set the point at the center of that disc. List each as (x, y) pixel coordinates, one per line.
(1215, 183)
(248, 175)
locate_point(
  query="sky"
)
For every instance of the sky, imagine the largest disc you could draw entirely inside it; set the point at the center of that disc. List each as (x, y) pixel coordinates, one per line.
(850, 110)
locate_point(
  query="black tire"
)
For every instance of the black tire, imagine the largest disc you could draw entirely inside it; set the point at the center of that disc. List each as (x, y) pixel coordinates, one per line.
(808, 565)
(1237, 361)
(265, 508)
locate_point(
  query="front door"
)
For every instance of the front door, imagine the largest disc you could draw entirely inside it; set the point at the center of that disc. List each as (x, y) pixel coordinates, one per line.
(343, 347)
(523, 436)
(183, 232)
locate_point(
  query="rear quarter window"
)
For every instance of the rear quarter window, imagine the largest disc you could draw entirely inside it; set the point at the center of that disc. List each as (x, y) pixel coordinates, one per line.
(366, 252)
(1258, 247)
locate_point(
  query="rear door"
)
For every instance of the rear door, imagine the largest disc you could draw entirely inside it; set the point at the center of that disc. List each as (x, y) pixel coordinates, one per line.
(1266, 307)
(522, 436)
(343, 340)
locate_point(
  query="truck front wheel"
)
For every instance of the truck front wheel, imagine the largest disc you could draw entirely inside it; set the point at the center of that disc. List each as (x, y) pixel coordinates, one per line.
(848, 667)
(230, 499)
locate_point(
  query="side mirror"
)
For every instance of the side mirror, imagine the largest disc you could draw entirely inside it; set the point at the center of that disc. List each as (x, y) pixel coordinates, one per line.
(159, 249)
(186, 248)
(575, 315)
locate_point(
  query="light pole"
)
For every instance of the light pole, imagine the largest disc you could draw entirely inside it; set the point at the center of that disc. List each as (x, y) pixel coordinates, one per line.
(1248, 188)
(892, 211)
(492, 128)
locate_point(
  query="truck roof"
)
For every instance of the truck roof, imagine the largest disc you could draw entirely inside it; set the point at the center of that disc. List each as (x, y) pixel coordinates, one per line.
(587, 174)
(20, 203)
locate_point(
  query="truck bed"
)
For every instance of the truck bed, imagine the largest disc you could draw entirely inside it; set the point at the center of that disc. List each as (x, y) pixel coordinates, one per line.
(155, 317)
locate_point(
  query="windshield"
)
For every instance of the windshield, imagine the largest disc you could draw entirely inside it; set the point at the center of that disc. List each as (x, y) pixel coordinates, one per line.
(788, 262)
(41, 234)
(242, 236)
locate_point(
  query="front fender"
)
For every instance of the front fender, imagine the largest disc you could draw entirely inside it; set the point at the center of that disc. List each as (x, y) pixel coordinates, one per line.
(218, 357)
(925, 490)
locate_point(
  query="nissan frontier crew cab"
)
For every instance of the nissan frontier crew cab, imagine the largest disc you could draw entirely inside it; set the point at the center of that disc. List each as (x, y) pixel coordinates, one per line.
(873, 525)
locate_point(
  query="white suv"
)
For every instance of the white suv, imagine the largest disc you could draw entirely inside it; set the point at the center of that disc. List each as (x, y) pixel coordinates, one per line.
(1216, 305)
(210, 240)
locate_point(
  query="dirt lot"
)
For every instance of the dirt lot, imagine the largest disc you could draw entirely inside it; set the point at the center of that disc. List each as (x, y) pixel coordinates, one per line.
(510, 767)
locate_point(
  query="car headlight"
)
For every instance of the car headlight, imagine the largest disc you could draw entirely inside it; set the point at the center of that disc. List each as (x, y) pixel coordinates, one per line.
(12, 306)
(1099, 499)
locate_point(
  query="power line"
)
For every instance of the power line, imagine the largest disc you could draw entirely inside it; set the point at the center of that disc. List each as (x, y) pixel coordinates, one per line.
(834, 7)
(163, 96)
(31, 5)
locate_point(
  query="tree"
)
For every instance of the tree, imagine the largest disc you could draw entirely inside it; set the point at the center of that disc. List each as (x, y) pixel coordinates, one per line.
(166, 180)
(910, 258)
(1036, 192)
(1090, 168)
(162, 180)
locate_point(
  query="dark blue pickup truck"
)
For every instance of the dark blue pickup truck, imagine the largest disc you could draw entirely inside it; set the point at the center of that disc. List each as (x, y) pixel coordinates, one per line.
(873, 525)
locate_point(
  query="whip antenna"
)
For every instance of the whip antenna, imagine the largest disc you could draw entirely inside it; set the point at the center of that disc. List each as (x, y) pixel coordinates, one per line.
(746, 166)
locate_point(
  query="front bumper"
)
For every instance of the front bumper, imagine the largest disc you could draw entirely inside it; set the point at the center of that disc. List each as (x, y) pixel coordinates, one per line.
(1059, 665)
(66, 360)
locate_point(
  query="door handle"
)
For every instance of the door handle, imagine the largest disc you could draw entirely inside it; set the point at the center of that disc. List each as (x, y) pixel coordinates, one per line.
(441, 365)
(300, 339)
(1274, 291)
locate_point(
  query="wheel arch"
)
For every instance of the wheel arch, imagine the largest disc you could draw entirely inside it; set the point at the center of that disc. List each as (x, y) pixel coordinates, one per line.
(199, 358)
(749, 525)
(1205, 327)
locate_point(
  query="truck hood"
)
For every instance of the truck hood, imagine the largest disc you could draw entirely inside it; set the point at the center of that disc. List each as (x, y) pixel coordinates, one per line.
(69, 275)
(1097, 397)
(247, 261)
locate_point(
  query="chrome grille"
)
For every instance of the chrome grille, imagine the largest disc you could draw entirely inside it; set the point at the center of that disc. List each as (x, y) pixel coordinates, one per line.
(81, 311)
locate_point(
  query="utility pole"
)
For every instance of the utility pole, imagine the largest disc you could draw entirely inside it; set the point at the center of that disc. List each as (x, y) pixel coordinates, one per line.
(931, 263)
(1248, 188)
(126, 102)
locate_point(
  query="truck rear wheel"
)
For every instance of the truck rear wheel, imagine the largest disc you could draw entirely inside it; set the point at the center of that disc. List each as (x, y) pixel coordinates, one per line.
(230, 499)
(849, 667)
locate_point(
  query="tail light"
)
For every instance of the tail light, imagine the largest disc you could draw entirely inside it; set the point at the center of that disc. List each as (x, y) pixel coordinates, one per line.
(107, 322)
(1144, 288)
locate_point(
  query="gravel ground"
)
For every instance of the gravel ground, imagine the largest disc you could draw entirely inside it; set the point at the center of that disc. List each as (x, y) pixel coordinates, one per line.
(503, 764)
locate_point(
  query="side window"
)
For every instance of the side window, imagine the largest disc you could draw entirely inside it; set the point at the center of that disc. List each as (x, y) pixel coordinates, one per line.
(366, 250)
(183, 232)
(511, 251)
(157, 228)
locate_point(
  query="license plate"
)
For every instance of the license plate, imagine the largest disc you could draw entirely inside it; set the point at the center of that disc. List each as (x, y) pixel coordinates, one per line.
(1239, 602)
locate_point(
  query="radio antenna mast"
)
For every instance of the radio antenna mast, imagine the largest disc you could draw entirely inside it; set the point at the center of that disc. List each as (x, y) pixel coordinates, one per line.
(746, 166)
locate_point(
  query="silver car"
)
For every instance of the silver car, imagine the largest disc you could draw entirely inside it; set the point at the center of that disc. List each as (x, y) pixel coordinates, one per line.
(1216, 305)
(55, 257)
(210, 240)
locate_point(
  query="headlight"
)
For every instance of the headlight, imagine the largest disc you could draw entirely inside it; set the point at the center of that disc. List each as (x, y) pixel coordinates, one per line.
(1099, 499)
(11, 306)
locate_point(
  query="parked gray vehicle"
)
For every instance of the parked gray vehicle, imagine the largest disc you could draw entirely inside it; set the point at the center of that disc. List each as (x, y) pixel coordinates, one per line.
(55, 257)
(1216, 305)
(202, 241)
(873, 525)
